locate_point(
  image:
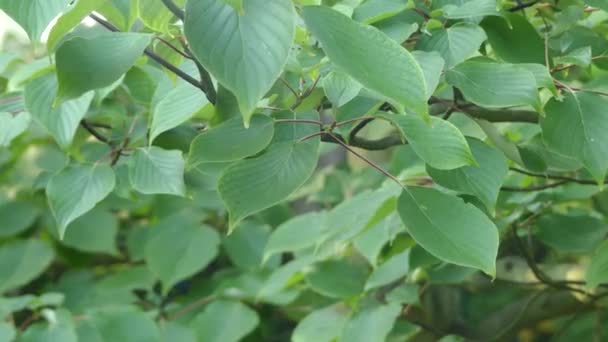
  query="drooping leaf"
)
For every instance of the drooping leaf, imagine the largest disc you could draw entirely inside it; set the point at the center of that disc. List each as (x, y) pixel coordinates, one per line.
(77, 189)
(11, 126)
(571, 233)
(295, 234)
(582, 118)
(370, 324)
(88, 63)
(33, 15)
(93, 232)
(367, 55)
(454, 44)
(155, 14)
(245, 51)
(440, 144)
(482, 180)
(597, 272)
(450, 229)
(176, 107)
(323, 325)
(392, 269)
(495, 84)
(191, 247)
(245, 246)
(340, 88)
(17, 216)
(60, 121)
(153, 170)
(514, 39)
(231, 141)
(251, 185)
(21, 261)
(337, 278)
(225, 321)
(74, 14)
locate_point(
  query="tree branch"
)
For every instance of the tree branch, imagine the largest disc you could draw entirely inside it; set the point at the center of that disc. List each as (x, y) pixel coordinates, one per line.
(171, 6)
(89, 128)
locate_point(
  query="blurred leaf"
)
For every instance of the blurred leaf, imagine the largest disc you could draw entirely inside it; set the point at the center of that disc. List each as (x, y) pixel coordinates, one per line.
(568, 233)
(371, 324)
(597, 272)
(337, 278)
(21, 261)
(153, 170)
(33, 15)
(94, 232)
(74, 14)
(295, 234)
(454, 44)
(392, 269)
(225, 321)
(323, 325)
(17, 217)
(11, 126)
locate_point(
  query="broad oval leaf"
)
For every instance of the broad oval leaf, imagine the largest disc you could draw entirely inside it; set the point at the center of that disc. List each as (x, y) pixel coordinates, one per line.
(495, 85)
(471, 9)
(597, 272)
(251, 185)
(571, 233)
(432, 66)
(21, 261)
(482, 180)
(155, 14)
(340, 88)
(231, 141)
(68, 20)
(323, 325)
(12, 125)
(337, 278)
(245, 51)
(77, 189)
(454, 44)
(17, 217)
(88, 63)
(33, 15)
(515, 40)
(440, 144)
(449, 228)
(297, 233)
(581, 117)
(179, 247)
(368, 56)
(225, 321)
(153, 170)
(371, 324)
(392, 269)
(93, 232)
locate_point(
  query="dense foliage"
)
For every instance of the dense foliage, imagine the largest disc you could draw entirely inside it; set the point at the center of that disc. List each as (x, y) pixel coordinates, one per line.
(306, 170)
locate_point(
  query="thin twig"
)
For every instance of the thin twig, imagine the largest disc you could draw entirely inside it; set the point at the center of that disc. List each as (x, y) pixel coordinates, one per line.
(173, 47)
(89, 128)
(534, 188)
(346, 122)
(522, 5)
(190, 307)
(305, 94)
(171, 6)
(312, 135)
(555, 177)
(316, 122)
(293, 91)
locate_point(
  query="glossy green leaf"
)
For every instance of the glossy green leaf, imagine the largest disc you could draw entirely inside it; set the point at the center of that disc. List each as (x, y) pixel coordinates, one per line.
(582, 118)
(300, 232)
(17, 216)
(440, 144)
(570, 233)
(60, 121)
(33, 15)
(340, 88)
(471, 9)
(21, 261)
(93, 232)
(514, 39)
(371, 324)
(155, 14)
(597, 272)
(337, 278)
(392, 269)
(11, 126)
(372, 11)
(323, 325)
(449, 228)
(77, 189)
(153, 170)
(368, 55)
(494, 85)
(192, 246)
(483, 180)
(251, 185)
(70, 19)
(225, 321)
(176, 107)
(231, 141)
(244, 51)
(454, 44)
(95, 62)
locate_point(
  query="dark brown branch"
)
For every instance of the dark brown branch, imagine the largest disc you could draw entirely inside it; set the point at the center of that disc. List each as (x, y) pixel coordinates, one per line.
(173, 47)
(171, 6)
(91, 129)
(353, 133)
(554, 177)
(522, 5)
(534, 188)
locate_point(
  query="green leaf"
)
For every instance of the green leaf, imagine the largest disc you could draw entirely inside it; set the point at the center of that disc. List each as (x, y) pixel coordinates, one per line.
(21, 261)
(582, 118)
(401, 26)
(454, 44)
(580, 57)
(177, 107)
(77, 189)
(179, 247)
(225, 321)
(542, 75)
(60, 121)
(432, 66)
(598, 3)
(392, 269)
(132, 326)
(340, 88)
(514, 39)
(33, 15)
(75, 13)
(153, 170)
(337, 278)
(11, 126)
(368, 55)
(372, 11)
(494, 85)
(483, 180)
(371, 324)
(298, 233)
(155, 14)
(451, 230)
(173, 332)
(251, 185)
(7, 331)
(122, 13)
(17, 217)
(244, 51)
(597, 272)
(59, 328)
(93, 232)
(404, 294)
(245, 246)
(231, 141)
(440, 144)
(323, 325)
(471, 9)
(85, 64)
(571, 234)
